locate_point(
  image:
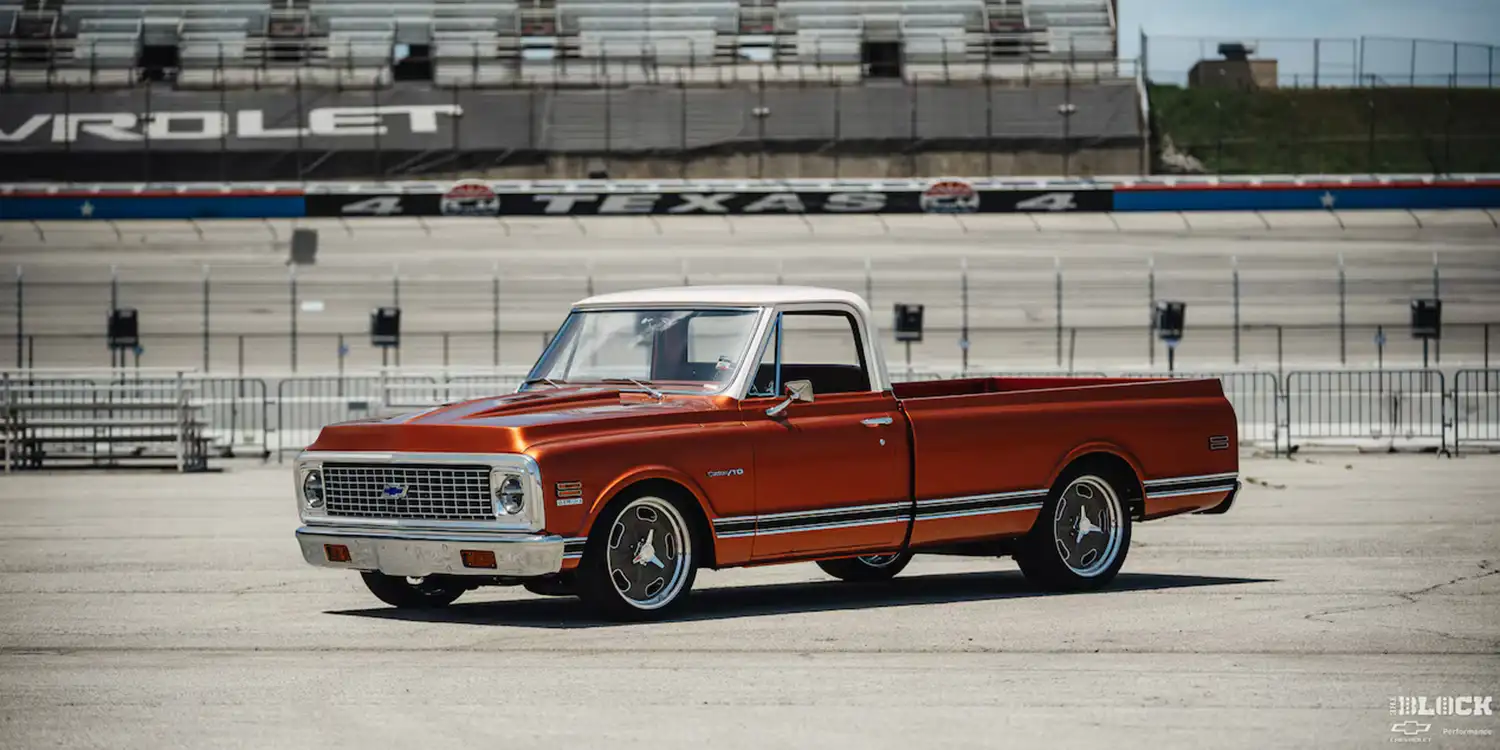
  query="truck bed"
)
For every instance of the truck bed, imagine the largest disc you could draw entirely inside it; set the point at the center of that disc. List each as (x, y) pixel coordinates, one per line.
(1011, 437)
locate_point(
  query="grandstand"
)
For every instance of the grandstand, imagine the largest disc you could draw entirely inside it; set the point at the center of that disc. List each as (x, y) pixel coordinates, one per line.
(507, 43)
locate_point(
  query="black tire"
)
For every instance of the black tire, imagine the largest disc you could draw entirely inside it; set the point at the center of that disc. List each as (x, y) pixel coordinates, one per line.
(617, 582)
(432, 592)
(1057, 554)
(866, 568)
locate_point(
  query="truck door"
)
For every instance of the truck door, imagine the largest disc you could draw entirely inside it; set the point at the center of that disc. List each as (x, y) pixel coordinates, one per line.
(832, 475)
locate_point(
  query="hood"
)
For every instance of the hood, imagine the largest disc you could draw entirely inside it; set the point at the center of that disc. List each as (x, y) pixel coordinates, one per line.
(511, 423)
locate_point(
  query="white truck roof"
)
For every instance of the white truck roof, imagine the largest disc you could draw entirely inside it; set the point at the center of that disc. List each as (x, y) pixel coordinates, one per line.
(750, 295)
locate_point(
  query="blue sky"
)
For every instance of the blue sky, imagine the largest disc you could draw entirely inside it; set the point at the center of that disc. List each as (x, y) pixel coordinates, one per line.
(1275, 22)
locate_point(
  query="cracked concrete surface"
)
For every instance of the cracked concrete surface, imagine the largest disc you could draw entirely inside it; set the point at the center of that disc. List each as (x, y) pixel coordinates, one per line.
(151, 611)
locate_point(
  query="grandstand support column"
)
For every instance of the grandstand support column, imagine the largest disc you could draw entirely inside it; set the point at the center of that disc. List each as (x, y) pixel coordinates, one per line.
(989, 122)
(682, 126)
(146, 130)
(911, 144)
(608, 119)
(224, 129)
(378, 174)
(1413, 71)
(1066, 110)
(838, 125)
(760, 123)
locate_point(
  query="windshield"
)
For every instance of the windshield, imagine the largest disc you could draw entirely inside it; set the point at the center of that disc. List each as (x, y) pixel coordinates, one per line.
(700, 349)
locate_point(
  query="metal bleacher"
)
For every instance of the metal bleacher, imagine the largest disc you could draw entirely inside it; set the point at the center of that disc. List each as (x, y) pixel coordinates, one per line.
(356, 43)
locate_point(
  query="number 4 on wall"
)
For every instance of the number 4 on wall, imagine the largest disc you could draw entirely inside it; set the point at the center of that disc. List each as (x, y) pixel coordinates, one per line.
(380, 205)
(1048, 202)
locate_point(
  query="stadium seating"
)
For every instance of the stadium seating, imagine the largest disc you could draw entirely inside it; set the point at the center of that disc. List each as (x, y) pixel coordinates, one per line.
(550, 42)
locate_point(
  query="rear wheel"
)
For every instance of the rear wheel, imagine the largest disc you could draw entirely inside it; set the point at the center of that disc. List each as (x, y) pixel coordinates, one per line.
(866, 568)
(1080, 540)
(640, 560)
(430, 592)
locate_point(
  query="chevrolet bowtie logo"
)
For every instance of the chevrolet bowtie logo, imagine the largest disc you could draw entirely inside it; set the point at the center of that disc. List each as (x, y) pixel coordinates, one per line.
(1410, 727)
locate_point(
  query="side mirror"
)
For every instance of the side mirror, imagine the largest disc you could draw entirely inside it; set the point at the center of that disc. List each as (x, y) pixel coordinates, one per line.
(796, 390)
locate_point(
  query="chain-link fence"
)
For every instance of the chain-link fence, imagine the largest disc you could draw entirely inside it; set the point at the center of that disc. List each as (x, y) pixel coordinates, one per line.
(1355, 62)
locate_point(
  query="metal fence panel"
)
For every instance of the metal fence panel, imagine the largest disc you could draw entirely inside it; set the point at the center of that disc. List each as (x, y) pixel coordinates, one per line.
(1476, 407)
(234, 411)
(305, 405)
(1367, 404)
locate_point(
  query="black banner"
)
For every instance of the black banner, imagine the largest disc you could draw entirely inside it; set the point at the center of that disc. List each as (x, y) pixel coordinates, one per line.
(477, 199)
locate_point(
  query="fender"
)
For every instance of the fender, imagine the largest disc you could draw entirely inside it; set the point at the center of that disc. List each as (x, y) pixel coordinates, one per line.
(1098, 446)
(641, 474)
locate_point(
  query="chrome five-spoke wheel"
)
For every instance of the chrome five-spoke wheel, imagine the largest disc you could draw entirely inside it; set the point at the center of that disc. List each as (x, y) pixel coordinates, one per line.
(1086, 526)
(643, 562)
(1082, 535)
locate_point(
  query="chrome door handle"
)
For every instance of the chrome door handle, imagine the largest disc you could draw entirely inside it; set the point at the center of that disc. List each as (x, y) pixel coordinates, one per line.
(875, 421)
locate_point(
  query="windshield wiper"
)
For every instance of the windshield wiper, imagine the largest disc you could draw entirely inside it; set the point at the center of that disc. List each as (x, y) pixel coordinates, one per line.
(654, 393)
(548, 381)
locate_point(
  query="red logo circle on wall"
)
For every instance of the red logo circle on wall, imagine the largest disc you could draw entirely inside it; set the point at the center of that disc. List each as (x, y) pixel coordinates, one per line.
(471, 198)
(950, 197)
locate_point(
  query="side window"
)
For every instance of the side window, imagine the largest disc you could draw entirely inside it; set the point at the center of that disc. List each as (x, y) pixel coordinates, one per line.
(821, 347)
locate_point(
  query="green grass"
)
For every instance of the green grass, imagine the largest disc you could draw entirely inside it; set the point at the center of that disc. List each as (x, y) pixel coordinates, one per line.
(1302, 131)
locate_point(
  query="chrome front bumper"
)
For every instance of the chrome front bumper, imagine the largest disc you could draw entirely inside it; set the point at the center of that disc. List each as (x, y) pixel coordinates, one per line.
(404, 552)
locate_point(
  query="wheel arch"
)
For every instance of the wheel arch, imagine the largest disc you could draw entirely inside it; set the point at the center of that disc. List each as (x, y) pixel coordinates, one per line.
(665, 484)
(1110, 460)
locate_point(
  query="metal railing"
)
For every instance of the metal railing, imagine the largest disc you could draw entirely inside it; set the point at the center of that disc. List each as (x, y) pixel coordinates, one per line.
(1476, 408)
(1380, 410)
(1397, 406)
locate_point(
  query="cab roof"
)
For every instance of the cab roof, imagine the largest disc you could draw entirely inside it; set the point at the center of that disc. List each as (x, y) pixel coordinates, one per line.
(749, 295)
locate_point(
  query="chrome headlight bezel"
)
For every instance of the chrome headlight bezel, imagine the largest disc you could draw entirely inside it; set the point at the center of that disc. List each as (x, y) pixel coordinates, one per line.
(508, 492)
(310, 482)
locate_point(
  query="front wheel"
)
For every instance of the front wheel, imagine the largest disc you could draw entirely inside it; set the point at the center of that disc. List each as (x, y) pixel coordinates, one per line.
(431, 592)
(1080, 540)
(866, 568)
(640, 560)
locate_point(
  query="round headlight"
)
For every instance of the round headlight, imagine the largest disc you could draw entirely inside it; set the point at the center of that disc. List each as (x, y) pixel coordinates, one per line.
(312, 489)
(510, 496)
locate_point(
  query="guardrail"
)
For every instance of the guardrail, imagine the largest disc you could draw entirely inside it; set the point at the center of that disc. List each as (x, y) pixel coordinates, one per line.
(1388, 410)
(474, 198)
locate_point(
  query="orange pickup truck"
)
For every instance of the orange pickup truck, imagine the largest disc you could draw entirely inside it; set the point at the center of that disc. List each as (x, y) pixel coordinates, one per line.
(667, 430)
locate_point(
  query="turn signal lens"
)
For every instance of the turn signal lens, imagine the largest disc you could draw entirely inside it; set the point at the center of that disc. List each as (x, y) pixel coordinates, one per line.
(478, 558)
(336, 552)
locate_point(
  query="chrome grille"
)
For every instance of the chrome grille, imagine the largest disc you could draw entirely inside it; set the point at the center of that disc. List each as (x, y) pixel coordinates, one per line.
(438, 493)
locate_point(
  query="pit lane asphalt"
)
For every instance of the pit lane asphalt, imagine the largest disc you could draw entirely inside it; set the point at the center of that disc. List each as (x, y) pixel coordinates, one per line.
(155, 611)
